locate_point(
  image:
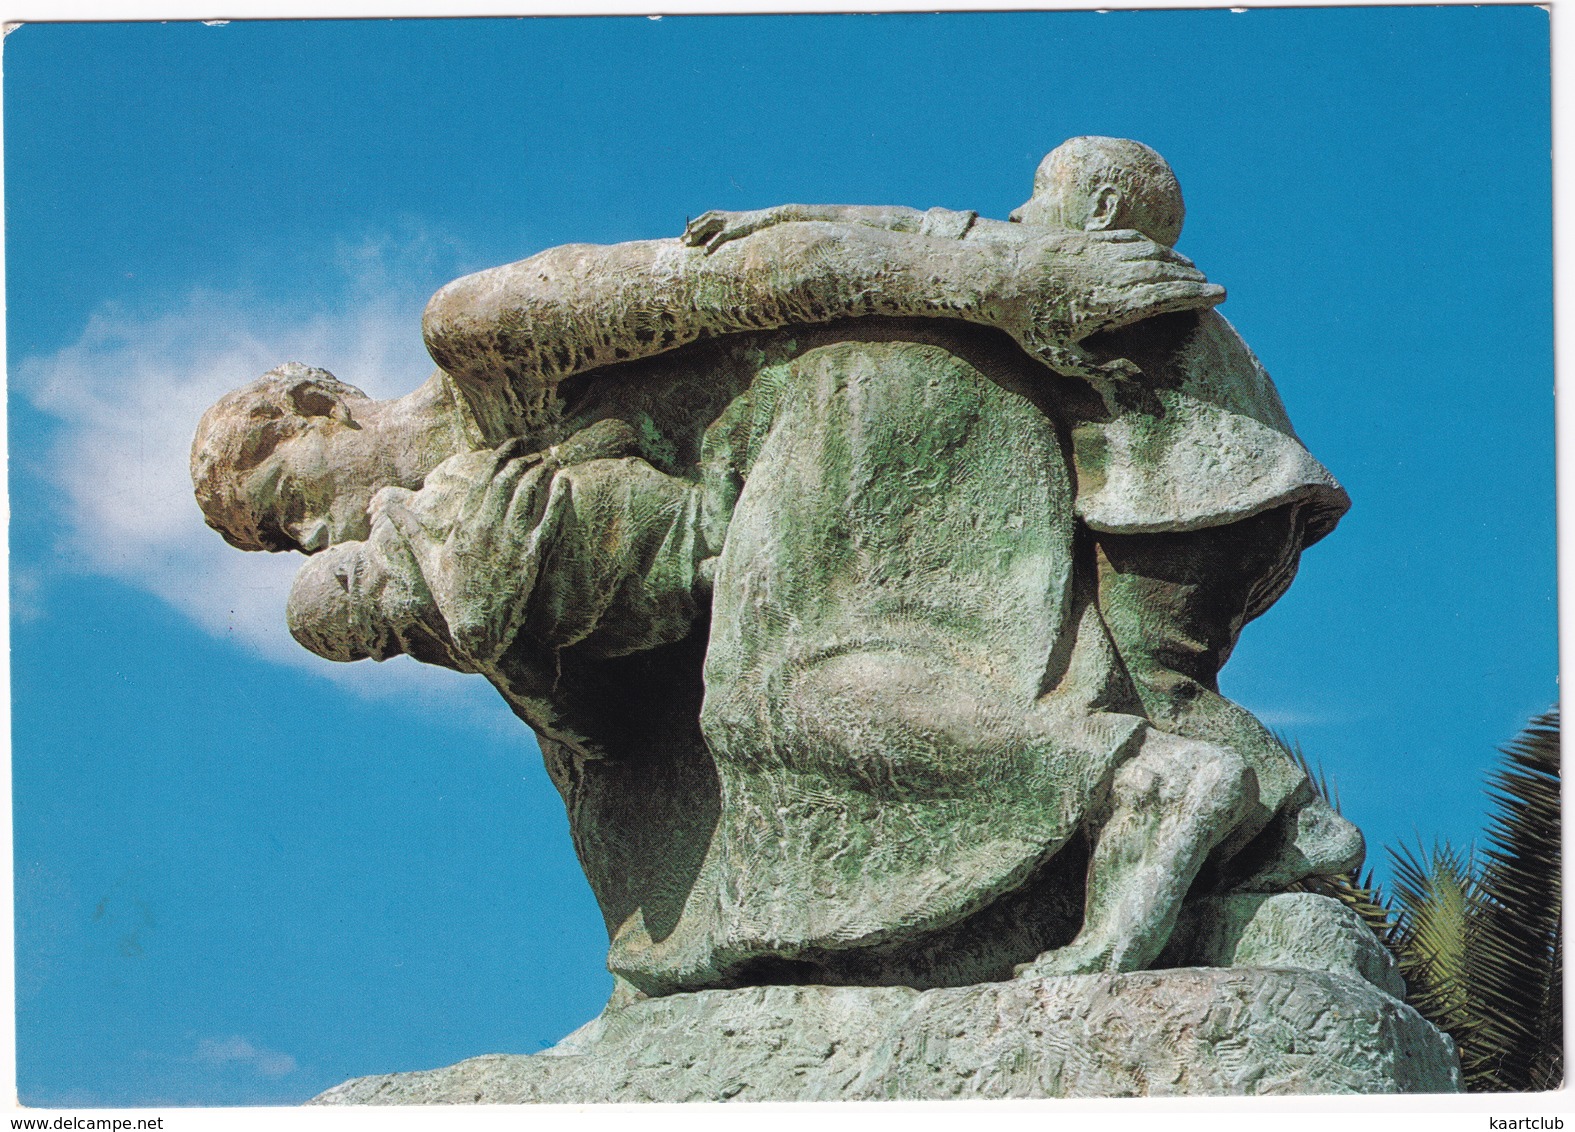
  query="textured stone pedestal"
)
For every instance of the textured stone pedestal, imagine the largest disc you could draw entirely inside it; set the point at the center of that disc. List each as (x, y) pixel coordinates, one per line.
(1193, 1031)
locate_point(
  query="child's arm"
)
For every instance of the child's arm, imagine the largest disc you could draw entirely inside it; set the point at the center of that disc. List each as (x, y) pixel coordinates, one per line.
(715, 228)
(509, 335)
(368, 599)
(390, 594)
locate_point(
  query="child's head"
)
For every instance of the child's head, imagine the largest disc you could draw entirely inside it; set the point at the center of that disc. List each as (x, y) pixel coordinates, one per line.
(1091, 184)
(286, 463)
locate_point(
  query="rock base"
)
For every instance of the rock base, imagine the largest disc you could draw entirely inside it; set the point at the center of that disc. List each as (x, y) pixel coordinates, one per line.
(1189, 1032)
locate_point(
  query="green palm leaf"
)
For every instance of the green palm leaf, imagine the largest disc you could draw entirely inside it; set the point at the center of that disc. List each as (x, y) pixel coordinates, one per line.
(1480, 942)
(1519, 946)
(1436, 899)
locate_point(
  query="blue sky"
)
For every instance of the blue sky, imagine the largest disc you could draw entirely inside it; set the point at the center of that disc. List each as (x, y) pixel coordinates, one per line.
(244, 874)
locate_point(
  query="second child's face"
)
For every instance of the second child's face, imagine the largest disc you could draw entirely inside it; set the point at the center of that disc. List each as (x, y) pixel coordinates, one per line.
(1043, 210)
(309, 484)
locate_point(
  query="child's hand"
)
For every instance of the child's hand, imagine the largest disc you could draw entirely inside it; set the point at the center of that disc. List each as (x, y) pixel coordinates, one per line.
(604, 440)
(715, 228)
(1075, 284)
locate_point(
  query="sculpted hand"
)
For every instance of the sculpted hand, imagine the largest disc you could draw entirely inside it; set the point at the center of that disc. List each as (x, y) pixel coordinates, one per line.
(715, 228)
(483, 567)
(1077, 284)
(1113, 279)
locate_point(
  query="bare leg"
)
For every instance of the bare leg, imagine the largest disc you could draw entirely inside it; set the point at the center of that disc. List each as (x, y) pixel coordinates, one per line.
(1169, 806)
(1175, 605)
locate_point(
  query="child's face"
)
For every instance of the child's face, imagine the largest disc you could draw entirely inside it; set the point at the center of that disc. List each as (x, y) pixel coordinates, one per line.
(1056, 202)
(1061, 205)
(1046, 209)
(291, 488)
(316, 484)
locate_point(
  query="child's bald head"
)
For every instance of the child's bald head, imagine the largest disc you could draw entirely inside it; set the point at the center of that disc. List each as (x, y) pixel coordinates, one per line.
(1093, 184)
(260, 462)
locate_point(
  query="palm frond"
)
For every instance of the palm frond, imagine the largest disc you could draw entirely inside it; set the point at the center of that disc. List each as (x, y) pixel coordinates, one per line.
(1325, 786)
(1519, 949)
(1436, 896)
(1479, 940)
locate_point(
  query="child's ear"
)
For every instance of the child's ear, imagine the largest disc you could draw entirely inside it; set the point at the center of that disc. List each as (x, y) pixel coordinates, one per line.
(1103, 209)
(312, 400)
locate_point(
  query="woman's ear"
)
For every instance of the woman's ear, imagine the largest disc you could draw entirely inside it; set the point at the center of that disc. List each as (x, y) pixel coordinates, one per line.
(1104, 206)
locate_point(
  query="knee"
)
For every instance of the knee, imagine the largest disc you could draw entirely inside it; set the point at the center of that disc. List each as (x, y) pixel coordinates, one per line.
(1237, 788)
(1224, 786)
(1328, 842)
(1204, 779)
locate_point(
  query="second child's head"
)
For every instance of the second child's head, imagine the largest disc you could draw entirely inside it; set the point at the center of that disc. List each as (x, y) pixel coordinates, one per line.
(1094, 184)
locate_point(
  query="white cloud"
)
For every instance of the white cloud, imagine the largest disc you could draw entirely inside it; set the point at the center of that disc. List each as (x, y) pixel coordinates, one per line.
(267, 1062)
(127, 396)
(1292, 717)
(27, 592)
